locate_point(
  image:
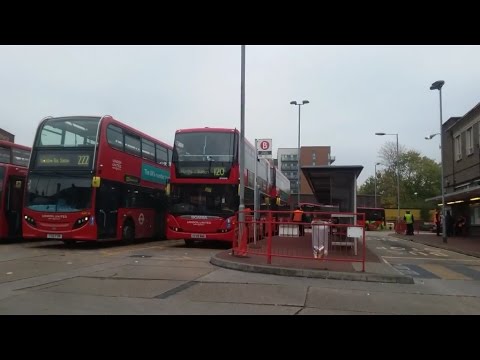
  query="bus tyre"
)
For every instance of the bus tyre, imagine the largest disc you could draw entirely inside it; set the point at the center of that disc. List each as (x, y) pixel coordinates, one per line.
(189, 243)
(128, 232)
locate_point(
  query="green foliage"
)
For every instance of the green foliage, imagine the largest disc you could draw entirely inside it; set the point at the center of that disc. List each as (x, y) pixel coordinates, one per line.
(425, 214)
(419, 179)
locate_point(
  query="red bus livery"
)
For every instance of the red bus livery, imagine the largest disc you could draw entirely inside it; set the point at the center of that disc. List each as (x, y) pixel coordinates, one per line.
(95, 178)
(13, 170)
(374, 218)
(204, 184)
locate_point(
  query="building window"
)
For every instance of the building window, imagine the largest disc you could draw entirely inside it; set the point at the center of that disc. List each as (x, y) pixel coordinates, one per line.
(469, 141)
(458, 148)
(475, 214)
(313, 163)
(314, 156)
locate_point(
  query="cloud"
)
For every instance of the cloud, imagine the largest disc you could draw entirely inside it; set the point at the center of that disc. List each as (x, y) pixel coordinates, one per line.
(354, 91)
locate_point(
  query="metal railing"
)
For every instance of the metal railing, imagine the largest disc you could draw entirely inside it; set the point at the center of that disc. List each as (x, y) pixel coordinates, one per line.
(320, 236)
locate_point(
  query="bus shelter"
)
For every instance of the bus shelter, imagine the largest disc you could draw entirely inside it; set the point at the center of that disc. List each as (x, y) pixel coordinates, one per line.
(334, 185)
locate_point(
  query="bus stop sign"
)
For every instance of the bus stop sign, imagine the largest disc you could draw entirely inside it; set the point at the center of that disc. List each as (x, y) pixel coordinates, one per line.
(264, 148)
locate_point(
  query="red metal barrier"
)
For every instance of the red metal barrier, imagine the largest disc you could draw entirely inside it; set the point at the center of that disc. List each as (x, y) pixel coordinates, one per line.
(269, 239)
(281, 241)
(401, 227)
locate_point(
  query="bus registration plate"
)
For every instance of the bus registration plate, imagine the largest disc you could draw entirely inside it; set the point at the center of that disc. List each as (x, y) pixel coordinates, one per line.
(198, 236)
(54, 236)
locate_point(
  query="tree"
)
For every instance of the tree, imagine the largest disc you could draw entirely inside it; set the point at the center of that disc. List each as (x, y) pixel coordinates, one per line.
(419, 179)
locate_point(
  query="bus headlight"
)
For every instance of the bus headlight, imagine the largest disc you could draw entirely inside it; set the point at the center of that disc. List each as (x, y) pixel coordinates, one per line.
(82, 221)
(29, 220)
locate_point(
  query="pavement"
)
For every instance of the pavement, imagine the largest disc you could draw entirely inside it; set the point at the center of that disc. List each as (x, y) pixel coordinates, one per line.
(376, 270)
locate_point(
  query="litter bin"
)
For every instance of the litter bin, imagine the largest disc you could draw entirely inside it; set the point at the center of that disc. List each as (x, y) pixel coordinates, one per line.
(320, 230)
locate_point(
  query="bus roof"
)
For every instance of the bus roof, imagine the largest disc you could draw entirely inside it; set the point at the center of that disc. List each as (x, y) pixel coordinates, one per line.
(148, 137)
(113, 120)
(213, 130)
(207, 129)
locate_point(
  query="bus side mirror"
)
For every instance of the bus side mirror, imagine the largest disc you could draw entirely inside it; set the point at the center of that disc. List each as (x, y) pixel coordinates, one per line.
(96, 181)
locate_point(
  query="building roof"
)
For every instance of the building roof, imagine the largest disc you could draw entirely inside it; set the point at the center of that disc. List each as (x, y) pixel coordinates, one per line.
(320, 177)
(462, 194)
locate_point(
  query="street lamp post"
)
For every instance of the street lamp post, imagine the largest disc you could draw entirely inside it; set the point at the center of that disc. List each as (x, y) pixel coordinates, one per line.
(298, 156)
(376, 183)
(431, 136)
(241, 207)
(437, 85)
(398, 175)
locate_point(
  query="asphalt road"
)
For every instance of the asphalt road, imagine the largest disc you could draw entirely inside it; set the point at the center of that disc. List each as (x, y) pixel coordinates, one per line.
(424, 262)
(165, 277)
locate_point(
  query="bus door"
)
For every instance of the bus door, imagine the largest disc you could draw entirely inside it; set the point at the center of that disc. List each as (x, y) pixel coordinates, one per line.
(14, 196)
(107, 204)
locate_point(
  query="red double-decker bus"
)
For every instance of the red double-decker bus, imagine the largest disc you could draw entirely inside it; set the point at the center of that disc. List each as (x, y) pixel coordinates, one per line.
(95, 178)
(13, 170)
(204, 184)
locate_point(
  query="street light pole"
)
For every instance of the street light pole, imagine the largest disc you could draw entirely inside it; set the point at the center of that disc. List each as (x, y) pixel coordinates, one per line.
(437, 85)
(398, 175)
(298, 151)
(255, 195)
(431, 136)
(376, 183)
(398, 180)
(241, 155)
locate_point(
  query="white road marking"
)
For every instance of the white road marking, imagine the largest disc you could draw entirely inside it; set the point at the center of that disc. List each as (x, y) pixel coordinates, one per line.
(393, 267)
(433, 259)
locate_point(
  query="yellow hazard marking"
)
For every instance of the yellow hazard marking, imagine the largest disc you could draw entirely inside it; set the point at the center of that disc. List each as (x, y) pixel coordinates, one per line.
(443, 272)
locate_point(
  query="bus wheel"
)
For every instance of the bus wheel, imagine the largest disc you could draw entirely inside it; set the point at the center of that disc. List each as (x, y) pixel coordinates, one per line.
(69, 243)
(189, 243)
(128, 232)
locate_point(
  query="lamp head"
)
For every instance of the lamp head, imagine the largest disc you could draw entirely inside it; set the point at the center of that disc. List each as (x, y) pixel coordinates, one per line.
(437, 85)
(293, 102)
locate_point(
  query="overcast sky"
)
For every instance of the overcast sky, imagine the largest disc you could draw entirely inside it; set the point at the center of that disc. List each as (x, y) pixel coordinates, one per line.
(354, 91)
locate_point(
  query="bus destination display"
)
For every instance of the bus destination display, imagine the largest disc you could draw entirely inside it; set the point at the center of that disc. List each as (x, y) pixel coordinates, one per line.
(63, 160)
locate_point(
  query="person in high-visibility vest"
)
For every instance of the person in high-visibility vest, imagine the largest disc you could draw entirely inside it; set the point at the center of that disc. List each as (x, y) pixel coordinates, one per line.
(409, 220)
(298, 217)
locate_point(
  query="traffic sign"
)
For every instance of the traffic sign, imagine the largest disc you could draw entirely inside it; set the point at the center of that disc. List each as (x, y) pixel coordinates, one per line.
(264, 148)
